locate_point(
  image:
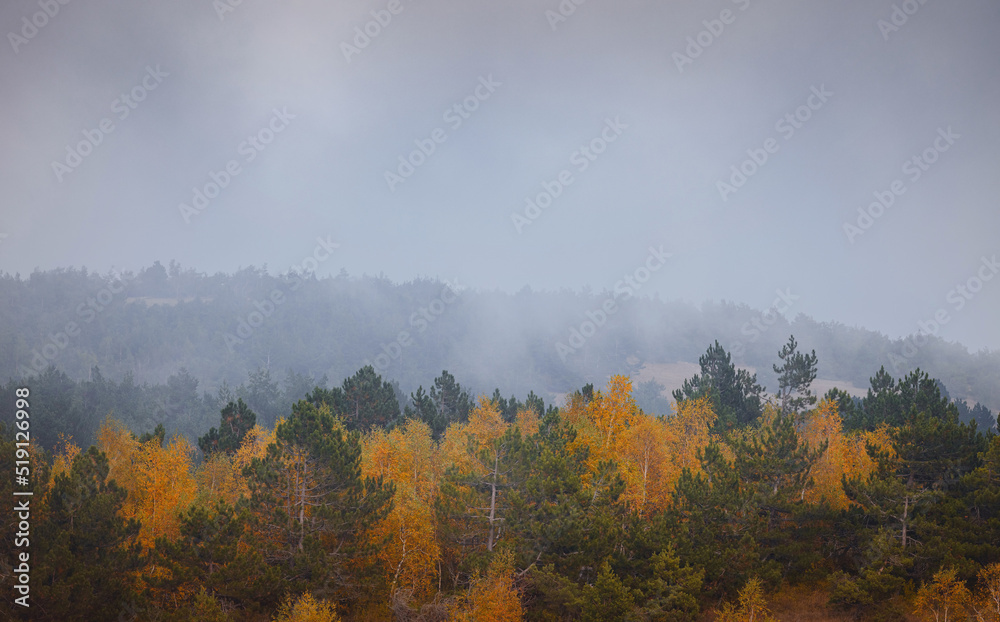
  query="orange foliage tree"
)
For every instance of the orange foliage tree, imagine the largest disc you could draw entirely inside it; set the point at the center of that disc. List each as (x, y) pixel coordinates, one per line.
(493, 597)
(825, 425)
(650, 453)
(220, 477)
(689, 433)
(157, 475)
(407, 457)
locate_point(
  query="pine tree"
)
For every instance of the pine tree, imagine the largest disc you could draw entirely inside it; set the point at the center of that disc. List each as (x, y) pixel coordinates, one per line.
(453, 404)
(735, 394)
(369, 401)
(794, 377)
(312, 507)
(86, 555)
(236, 420)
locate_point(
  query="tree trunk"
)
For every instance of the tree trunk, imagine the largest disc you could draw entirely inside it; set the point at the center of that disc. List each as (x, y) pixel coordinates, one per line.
(493, 501)
(906, 508)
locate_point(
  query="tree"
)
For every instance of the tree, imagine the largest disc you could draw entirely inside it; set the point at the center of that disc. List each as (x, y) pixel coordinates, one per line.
(221, 476)
(824, 426)
(451, 402)
(494, 596)
(491, 448)
(85, 548)
(368, 401)
(794, 377)
(945, 599)
(751, 607)
(649, 396)
(882, 404)
(689, 432)
(608, 598)
(424, 410)
(408, 547)
(157, 476)
(263, 395)
(209, 555)
(311, 506)
(663, 588)
(775, 466)
(715, 523)
(987, 604)
(298, 385)
(735, 394)
(891, 501)
(892, 403)
(645, 464)
(236, 420)
(305, 608)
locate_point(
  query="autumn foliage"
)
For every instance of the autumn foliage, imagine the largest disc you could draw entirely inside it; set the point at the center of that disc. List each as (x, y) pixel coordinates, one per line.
(593, 511)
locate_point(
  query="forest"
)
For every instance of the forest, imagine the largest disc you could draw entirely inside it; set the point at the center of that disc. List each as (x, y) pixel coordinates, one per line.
(353, 503)
(188, 333)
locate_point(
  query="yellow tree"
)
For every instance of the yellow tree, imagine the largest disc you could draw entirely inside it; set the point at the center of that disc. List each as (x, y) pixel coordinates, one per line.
(688, 432)
(601, 426)
(157, 477)
(164, 486)
(305, 608)
(220, 476)
(218, 480)
(63, 461)
(479, 455)
(857, 459)
(987, 603)
(751, 607)
(645, 464)
(612, 411)
(493, 597)
(406, 456)
(824, 425)
(120, 446)
(487, 449)
(944, 599)
(526, 421)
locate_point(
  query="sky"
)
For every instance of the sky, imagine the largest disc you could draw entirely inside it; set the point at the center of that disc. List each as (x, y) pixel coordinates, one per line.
(764, 145)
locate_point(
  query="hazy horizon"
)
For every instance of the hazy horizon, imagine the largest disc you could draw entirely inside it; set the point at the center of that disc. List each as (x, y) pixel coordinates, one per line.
(311, 121)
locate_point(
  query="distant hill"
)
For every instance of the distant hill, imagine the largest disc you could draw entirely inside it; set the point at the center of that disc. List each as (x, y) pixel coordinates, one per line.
(222, 327)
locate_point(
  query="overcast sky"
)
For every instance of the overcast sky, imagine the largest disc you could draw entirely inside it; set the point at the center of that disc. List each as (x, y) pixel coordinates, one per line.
(868, 84)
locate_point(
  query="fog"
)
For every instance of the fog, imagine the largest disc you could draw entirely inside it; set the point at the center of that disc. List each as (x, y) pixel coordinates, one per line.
(628, 136)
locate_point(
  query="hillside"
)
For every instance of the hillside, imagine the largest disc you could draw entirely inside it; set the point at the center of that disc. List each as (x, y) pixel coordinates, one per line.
(220, 328)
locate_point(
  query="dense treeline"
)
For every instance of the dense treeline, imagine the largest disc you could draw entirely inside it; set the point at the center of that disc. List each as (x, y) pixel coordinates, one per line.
(454, 508)
(226, 327)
